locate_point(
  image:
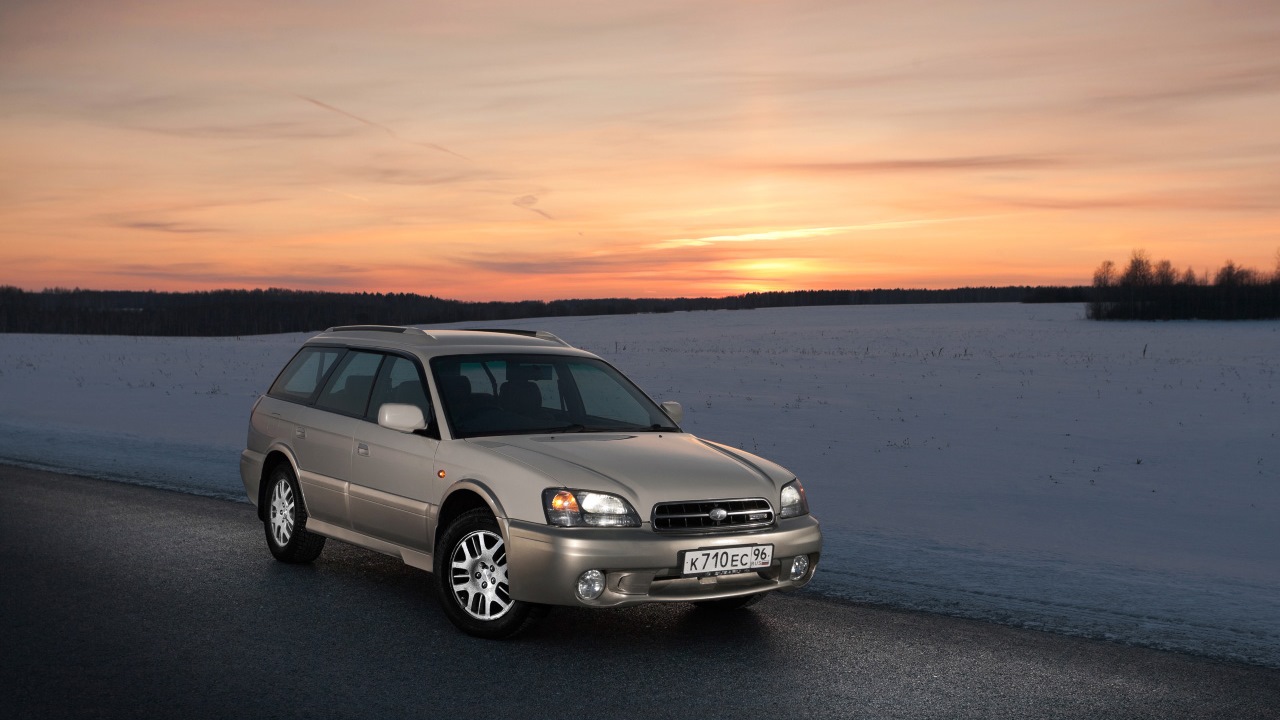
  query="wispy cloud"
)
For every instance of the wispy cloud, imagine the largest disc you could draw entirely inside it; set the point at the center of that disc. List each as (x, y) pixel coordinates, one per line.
(803, 233)
(630, 260)
(407, 176)
(1207, 87)
(703, 253)
(246, 131)
(169, 227)
(390, 133)
(353, 196)
(527, 202)
(1211, 199)
(971, 162)
(516, 264)
(205, 273)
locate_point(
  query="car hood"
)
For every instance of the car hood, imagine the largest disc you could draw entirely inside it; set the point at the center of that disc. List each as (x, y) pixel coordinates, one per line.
(645, 468)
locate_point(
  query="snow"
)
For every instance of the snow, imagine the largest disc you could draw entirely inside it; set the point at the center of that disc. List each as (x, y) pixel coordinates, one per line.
(1014, 463)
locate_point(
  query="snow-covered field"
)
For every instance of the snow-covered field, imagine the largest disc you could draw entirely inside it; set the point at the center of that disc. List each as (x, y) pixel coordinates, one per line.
(1009, 462)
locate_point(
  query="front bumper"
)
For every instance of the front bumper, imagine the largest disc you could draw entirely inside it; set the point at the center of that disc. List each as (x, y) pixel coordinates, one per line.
(640, 566)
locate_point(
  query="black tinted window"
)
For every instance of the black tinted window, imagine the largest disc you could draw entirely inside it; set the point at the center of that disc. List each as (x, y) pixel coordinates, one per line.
(348, 389)
(303, 375)
(399, 382)
(523, 394)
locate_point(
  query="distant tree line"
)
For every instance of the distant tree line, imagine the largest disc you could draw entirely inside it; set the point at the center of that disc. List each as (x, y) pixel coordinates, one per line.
(1147, 290)
(255, 312)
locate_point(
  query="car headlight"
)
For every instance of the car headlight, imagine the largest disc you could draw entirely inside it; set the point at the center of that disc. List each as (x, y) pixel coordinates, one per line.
(574, 508)
(793, 503)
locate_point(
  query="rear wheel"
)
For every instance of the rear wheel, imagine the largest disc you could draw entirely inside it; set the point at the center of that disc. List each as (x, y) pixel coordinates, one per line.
(471, 575)
(286, 519)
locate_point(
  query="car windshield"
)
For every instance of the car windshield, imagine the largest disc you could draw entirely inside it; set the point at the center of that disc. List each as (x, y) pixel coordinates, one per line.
(530, 394)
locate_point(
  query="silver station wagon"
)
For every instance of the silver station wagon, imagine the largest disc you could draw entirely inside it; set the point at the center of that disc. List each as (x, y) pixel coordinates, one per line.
(520, 471)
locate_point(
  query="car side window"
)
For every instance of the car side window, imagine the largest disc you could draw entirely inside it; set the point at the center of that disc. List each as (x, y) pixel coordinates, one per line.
(399, 382)
(302, 376)
(348, 389)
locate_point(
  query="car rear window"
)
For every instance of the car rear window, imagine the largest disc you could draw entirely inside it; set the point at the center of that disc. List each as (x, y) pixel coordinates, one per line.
(304, 373)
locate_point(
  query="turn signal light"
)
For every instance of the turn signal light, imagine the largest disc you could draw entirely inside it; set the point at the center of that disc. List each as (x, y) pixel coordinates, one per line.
(564, 501)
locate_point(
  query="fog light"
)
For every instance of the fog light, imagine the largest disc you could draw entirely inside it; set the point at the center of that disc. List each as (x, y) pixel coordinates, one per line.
(799, 566)
(591, 584)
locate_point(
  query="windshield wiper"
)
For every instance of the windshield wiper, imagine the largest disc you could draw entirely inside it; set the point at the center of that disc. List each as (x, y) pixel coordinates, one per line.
(575, 428)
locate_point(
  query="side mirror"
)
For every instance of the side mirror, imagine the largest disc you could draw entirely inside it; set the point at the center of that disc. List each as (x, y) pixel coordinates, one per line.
(403, 418)
(673, 411)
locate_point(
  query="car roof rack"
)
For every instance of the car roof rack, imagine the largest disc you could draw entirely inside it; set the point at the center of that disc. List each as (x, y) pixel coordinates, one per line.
(376, 328)
(539, 334)
(438, 334)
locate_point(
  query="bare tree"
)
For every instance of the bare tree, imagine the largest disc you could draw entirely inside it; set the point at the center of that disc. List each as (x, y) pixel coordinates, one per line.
(1155, 291)
(1139, 273)
(1104, 284)
(1231, 275)
(1105, 275)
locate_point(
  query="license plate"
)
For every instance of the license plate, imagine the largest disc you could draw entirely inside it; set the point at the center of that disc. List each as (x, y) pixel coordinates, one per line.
(726, 560)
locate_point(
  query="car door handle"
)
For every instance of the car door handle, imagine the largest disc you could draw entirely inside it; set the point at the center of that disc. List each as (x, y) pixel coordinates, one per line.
(300, 432)
(362, 450)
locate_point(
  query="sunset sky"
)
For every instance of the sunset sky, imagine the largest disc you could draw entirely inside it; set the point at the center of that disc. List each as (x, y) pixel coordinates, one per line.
(518, 150)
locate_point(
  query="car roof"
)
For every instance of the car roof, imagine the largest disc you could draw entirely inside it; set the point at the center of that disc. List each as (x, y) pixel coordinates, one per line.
(432, 342)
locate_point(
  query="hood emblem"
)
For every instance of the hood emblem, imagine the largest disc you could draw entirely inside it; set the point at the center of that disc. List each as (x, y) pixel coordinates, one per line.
(718, 514)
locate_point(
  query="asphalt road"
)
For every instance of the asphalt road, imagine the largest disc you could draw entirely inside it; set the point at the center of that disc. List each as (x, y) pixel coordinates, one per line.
(122, 601)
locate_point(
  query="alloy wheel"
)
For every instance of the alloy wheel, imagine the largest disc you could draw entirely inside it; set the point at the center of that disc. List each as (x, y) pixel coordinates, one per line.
(478, 572)
(282, 508)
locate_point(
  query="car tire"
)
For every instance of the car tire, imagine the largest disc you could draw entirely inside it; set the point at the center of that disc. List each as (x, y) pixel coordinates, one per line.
(285, 519)
(471, 576)
(732, 603)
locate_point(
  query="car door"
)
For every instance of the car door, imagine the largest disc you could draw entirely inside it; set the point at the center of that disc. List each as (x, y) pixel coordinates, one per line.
(290, 418)
(393, 490)
(327, 432)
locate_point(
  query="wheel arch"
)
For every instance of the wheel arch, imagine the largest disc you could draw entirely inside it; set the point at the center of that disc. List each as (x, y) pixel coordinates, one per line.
(464, 496)
(274, 458)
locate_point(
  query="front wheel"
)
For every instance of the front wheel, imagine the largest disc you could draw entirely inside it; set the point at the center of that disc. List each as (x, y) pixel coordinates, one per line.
(471, 575)
(286, 520)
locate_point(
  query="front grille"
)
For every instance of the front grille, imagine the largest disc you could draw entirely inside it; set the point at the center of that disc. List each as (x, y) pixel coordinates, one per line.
(740, 514)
